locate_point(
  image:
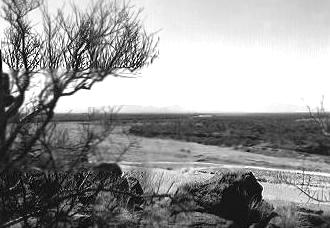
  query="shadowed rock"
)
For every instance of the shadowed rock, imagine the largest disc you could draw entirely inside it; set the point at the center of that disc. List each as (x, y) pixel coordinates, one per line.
(228, 195)
(108, 170)
(122, 184)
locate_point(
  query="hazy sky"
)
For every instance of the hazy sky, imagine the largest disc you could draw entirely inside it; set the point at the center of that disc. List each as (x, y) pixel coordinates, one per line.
(227, 56)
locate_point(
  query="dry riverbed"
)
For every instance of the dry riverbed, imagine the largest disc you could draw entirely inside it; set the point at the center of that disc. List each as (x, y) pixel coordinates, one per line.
(172, 154)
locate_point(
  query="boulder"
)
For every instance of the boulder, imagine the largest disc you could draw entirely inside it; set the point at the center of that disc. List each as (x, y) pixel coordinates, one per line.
(229, 195)
(106, 170)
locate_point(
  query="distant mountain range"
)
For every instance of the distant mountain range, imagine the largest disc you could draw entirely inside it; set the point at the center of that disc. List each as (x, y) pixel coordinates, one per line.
(152, 109)
(274, 108)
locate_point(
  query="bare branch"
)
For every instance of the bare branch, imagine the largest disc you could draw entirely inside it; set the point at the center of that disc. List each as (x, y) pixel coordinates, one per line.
(71, 53)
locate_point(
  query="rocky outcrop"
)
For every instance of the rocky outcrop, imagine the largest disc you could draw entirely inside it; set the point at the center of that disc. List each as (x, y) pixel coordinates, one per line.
(231, 196)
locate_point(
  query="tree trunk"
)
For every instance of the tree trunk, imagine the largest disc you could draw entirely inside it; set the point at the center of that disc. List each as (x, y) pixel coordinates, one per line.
(3, 119)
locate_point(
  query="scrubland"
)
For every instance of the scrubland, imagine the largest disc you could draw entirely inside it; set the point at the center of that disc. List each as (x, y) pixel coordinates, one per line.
(168, 154)
(251, 132)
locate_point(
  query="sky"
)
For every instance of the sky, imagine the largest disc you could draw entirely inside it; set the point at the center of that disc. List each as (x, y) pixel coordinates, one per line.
(225, 56)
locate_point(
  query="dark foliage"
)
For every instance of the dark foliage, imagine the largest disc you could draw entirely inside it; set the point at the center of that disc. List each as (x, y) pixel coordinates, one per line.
(61, 199)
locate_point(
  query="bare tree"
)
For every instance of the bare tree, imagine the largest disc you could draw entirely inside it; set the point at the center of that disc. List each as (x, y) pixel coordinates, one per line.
(312, 186)
(70, 53)
(321, 118)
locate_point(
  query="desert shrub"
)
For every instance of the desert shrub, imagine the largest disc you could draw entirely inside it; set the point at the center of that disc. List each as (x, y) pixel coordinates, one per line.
(56, 199)
(292, 215)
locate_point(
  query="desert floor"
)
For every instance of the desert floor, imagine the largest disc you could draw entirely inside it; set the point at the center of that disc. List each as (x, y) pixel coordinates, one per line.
(170, 163)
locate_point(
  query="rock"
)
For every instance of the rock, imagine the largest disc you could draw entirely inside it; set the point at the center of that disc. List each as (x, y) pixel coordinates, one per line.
(109, 175)
(228, 195)
(123, 184)
(108, 169)
(198, 219)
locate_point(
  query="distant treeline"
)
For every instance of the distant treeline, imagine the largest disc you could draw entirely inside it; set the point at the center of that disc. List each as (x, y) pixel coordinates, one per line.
(122, 117)
(295, 131)
(292, 131)
(134, 117)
